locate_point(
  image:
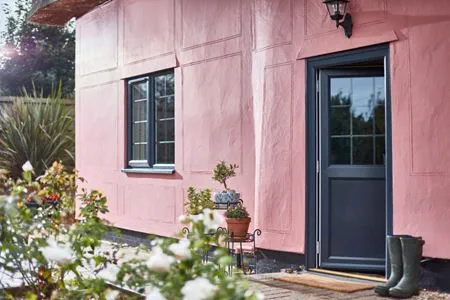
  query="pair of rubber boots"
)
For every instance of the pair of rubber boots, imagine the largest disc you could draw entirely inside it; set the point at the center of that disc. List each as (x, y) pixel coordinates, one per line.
(405, 253)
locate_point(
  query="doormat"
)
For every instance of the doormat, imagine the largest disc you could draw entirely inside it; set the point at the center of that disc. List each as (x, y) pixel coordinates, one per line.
(323, 282)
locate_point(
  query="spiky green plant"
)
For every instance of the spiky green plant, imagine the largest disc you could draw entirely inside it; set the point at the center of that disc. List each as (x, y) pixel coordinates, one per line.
(37, 130)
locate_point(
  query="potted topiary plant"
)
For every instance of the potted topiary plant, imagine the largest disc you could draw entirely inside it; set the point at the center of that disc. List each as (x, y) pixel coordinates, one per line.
(238, 221)
(222, 173)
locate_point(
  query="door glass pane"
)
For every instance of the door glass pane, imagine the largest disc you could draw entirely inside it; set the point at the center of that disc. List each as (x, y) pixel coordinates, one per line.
(379, 119)
(356, 120)
(362, 120)
(340, 89)
(340, 120)
(362, 150)
(379, 150)
(340, 151)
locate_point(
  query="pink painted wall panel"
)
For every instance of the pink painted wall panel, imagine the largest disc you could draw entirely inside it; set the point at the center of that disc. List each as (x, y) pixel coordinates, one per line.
(240, 96)
(154, 20)
(98, 45)
(212, 117)
(151, 202)
(209, 21)
(429, 99)
(97, 121)
(276, 162)
(273, 22)
(421, 107)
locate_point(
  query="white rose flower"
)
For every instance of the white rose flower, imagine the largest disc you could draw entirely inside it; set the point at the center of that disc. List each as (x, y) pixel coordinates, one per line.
(159, 261)
(57, 252)
(154, 294)
(197, 218)
(213, 219)
(183, 219)
(109, 273)
(198, 289)
(27, 167)
(181, 250)
(112, 295)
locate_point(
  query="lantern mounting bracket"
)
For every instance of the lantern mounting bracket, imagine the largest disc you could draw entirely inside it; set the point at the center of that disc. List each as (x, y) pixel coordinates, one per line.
(347, 24)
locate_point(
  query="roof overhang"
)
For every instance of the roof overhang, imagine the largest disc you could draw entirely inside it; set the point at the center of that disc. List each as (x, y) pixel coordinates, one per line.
(59, 12)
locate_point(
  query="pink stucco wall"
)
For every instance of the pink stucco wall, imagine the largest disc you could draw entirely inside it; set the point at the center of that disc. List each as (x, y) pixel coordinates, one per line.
(240, 96)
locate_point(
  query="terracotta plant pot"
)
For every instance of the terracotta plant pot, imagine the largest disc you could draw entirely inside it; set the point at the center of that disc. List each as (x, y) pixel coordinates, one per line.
(238, 228)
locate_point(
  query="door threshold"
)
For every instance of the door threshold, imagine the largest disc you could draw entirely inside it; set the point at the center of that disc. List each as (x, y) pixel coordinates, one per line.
(370, 277)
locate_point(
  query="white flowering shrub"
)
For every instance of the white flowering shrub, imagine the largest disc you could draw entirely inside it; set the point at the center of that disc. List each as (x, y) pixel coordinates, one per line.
(175, 269)
(56, 260)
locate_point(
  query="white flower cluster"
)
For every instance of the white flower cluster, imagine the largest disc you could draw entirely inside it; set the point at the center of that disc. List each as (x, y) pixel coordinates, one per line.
(57, 251)
(159, 261)
(27, 167)
(212, 219)
(181, 249)
(198, 289)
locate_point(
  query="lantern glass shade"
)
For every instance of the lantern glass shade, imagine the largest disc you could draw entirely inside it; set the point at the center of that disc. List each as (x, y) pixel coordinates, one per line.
(336, 8)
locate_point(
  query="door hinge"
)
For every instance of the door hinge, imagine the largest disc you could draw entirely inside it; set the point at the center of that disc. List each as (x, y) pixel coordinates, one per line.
(317, 166)
(318, 247)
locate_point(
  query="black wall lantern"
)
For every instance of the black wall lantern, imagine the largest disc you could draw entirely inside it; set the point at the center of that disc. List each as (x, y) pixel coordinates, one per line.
(337, 10)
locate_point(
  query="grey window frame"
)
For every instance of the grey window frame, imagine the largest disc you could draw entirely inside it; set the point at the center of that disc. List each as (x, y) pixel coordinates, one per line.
(148, 165)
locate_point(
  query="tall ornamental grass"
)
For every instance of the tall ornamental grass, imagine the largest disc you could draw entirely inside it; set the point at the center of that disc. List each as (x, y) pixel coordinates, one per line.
(37, 130)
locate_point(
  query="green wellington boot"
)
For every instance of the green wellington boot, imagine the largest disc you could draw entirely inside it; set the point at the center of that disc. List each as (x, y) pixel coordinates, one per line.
(395, 254)
(412, 254)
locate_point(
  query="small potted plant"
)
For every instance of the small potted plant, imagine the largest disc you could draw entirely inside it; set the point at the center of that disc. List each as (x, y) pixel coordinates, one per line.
(238, 221)
(198, 200)
(222, 173)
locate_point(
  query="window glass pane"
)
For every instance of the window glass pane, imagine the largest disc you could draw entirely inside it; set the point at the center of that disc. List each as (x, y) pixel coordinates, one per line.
(139, 120)
(164, 107)
(140, 132)
(340, 120)
(363, 150)
(170, 85)
(139, 90)
(160, 86)
(139, 152)
(164, 118)
(165, 130)
(340, 151)
(165, 153)
(139, 110)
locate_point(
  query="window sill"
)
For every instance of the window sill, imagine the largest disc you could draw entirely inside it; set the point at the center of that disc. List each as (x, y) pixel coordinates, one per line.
(149, 171)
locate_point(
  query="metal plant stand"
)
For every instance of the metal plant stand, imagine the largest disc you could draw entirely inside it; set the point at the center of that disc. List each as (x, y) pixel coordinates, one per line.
(237, 250)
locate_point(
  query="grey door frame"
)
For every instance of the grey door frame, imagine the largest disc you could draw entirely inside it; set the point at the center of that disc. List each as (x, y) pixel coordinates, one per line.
(313, 66)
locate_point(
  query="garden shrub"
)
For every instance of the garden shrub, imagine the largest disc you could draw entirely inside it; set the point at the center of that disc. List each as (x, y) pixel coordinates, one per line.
(61, 261)
(36, 130)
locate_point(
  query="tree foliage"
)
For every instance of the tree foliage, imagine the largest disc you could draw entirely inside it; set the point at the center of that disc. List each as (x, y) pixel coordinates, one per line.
(36, 54)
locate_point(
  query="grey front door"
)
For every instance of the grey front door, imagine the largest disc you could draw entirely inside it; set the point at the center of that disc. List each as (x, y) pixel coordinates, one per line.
(352, 177)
